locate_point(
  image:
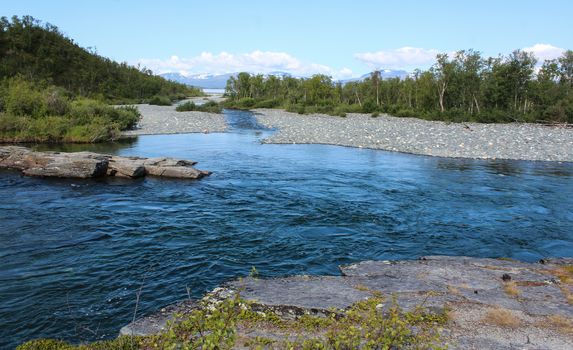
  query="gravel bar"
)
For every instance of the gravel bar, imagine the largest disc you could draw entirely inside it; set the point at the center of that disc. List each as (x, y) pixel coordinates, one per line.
(166, 120)
(410, 135)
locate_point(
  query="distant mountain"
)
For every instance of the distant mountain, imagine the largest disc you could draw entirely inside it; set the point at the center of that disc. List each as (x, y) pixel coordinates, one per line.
(210, 81)
(219, 81)
(385, 73)
(207, 81)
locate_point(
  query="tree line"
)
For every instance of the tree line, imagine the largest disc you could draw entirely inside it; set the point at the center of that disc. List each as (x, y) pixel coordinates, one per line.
(461, 87)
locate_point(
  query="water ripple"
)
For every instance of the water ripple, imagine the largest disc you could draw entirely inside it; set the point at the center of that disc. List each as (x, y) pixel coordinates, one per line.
(74, 253)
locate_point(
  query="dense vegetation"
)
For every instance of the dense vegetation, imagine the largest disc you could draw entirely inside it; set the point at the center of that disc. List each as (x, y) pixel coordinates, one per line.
(45, 113)
(465, 87)
(41, 53)
(210, 106)
(364, 326)
(52, 90)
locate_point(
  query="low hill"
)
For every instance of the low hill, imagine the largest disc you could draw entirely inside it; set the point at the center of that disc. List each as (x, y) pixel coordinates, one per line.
(41, 53)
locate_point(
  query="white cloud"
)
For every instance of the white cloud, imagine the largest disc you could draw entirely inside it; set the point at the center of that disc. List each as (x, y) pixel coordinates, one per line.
(545, 51)
(256, 62)
(402, 58)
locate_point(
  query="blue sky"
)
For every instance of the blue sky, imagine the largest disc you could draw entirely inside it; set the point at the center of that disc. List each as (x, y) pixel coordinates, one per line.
(340, 38)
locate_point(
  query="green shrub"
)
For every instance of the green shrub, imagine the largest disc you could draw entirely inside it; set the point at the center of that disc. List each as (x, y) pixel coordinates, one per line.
(160, 101)
(126, 117)
(210, 107)
(187, 106)
(56, 101)
(375, 115)
(406, 113)
(246, 103)
(272, 103)
(22, 98)
(50, 116)
(369, 106)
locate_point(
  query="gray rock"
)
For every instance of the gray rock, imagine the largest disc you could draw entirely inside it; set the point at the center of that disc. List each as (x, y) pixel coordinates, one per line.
(80, 165)
(469, 287)
(90, 165)
(132, 167)
(412, 135)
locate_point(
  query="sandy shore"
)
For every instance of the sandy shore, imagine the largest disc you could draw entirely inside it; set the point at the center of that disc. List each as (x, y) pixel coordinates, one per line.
(166, 120)
(410, 135)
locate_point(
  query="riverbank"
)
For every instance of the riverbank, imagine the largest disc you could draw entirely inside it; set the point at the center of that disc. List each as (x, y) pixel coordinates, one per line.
(417, 136)
(478, 303)
(157, 120)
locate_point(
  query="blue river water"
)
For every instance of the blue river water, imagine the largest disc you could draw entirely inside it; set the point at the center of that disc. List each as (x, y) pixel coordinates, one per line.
(73, 253)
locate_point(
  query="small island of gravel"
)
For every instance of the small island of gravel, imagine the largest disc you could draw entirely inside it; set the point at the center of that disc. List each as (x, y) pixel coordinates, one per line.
(156, 120)
(516, 141)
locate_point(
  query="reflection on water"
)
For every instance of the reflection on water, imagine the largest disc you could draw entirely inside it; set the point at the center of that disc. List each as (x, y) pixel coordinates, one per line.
(114, 147)
(74, 253)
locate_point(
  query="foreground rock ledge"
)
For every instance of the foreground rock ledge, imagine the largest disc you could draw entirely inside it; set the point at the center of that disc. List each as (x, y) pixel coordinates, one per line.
(83, 165)
(470, 290)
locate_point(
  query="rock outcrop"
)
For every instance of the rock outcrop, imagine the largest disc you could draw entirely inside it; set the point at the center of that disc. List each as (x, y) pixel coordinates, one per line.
(472, 291)
(85, 165)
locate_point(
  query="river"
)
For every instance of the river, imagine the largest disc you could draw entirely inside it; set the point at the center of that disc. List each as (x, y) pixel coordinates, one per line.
(74, 253)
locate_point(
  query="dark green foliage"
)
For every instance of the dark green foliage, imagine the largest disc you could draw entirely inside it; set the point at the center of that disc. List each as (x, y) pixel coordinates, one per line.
(42, 53)
(210, 107)
(160, 101)
(37, 113)
(462, 88)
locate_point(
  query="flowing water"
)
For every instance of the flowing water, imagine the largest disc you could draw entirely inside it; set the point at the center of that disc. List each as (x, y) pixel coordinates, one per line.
(74, 253)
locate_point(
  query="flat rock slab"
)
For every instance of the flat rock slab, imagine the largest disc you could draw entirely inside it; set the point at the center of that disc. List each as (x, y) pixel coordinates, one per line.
(85, 165)
(532, 291)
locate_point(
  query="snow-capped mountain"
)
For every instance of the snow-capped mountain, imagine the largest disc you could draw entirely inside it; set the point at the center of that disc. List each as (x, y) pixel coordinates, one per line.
(219, 81)
(210, 81)
(384, 73)
(207, 81)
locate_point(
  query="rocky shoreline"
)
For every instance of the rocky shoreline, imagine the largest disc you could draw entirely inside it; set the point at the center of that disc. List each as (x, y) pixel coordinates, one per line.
(410, 135)
(157, 120)
(85, 165)
(489, 303)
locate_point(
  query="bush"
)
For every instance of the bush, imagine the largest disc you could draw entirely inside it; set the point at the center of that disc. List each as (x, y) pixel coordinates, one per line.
(159, 101)
(561, 112)
(210, 107)
(125, 116)
(186, 107)
(246, 103)
(50, 116)
(23, 99)
(375, 115)
(267, 104)
(369, 106)
(56, 100)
